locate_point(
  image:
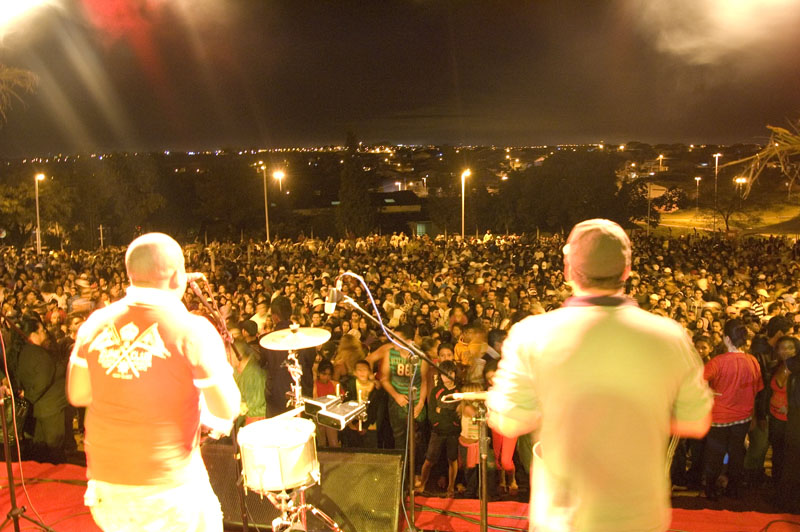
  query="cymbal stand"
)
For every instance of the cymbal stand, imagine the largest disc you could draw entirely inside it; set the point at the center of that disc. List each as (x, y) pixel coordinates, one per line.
(296, 372)
(16, 512)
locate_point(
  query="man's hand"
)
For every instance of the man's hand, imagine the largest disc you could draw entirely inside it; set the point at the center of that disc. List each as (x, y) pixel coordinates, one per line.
(400, 399)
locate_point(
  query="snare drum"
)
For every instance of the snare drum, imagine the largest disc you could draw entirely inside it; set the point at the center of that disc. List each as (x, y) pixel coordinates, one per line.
(278, 454)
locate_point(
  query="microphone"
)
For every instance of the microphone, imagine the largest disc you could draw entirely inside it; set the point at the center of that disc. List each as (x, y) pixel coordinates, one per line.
(334, 296)
(466, 396)
(193, 277)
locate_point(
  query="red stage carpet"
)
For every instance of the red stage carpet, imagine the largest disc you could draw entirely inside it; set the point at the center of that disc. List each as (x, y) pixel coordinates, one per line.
(56, 491)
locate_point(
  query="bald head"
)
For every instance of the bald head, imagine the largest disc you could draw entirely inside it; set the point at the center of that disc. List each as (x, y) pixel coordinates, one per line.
(155, 260)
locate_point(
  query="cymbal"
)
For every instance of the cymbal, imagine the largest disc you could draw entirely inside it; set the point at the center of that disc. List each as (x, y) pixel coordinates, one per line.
(293, 339)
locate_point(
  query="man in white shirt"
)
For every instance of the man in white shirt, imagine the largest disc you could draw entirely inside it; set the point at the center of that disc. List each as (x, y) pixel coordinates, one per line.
(606, 383)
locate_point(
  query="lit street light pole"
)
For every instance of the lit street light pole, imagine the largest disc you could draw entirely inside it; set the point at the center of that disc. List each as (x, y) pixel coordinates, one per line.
(279, 175)
(39, 177)
(660, 160)
(716, 175)
(697, 180)
(266, 205)
(649, 198)
(464, 175)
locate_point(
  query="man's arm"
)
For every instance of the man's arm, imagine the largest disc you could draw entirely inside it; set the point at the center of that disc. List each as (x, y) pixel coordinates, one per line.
(690, 429)
(212, 374)
(691, 412)
(512, 428)
(513, 405)
(79, 386)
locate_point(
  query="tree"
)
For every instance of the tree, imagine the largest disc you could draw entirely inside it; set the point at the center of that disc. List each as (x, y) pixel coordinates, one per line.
(355, 215)
(12, 82)
(18, 207)
(569, 187)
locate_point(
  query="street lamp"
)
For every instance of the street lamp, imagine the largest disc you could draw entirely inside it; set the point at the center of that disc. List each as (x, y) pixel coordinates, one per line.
(716, 175)
(263, 168)
(697, 180)
(660, 161)
(464, 175)
(279, 175)
(399, 185)
(39, 177)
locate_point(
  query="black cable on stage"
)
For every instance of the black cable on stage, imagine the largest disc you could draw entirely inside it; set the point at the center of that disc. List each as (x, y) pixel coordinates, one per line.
(769, 525)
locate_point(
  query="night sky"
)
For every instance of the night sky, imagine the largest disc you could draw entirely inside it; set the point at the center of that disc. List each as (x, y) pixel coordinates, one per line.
(202, 74)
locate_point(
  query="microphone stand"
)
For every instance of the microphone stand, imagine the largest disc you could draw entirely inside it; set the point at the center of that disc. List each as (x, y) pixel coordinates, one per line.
(15, 512)
(481, 417)
(483, 449)
(227, 338)
(416, 355)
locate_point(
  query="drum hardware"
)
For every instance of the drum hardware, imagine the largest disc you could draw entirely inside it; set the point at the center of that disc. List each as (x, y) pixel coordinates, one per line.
(314, 405)
(293, 515)
(340, 415)
(292, 340)
(289, 444)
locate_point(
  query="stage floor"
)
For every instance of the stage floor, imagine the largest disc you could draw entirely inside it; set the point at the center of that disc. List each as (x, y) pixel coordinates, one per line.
(55, 497)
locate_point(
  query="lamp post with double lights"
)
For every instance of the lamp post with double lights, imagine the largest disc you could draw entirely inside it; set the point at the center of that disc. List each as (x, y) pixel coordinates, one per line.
(39, 177)
(464, 175)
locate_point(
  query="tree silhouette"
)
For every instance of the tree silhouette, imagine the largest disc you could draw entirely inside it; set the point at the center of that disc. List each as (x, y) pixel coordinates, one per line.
(355, 215)
(13, 81)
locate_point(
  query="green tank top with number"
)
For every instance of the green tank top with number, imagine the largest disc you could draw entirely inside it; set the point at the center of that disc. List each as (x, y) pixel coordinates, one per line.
(401, 369)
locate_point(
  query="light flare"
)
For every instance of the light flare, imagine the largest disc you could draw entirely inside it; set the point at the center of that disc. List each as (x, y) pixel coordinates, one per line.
(707, 31)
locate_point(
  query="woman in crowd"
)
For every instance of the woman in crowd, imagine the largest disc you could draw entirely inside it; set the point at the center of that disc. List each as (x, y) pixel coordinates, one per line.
(735, 378)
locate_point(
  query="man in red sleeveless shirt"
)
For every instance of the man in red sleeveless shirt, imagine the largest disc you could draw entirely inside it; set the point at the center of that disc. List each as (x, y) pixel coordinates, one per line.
(140, 366)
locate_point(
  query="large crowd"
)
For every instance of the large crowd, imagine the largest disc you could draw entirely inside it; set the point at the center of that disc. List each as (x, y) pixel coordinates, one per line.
(456, 300)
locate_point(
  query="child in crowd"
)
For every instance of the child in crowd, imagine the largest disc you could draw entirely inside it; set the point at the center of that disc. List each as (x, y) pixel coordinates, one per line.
(364, 389)
(468, 452)
(324, 385)
(445, 428)
(503, 446)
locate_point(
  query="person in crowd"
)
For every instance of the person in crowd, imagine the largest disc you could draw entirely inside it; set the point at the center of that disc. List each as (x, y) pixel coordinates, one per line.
(445, 429)
(42, 379)
(778, 401)
(396, 374)
(325, 385)
(363, 434)
(468, 442)
(735, 378)
(143, 366)
(503, 446)
(788, 485)
(280, 381)
(348, 352)
(251, 380)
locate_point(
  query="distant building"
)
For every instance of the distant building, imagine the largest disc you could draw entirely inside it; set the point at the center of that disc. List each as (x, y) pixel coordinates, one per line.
(400, 210)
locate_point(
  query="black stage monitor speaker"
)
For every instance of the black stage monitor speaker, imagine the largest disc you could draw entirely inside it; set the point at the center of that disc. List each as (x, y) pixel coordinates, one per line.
(360, 490)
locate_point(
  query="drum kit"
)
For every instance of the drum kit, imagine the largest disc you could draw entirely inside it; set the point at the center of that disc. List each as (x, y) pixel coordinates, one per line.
(279, 454)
